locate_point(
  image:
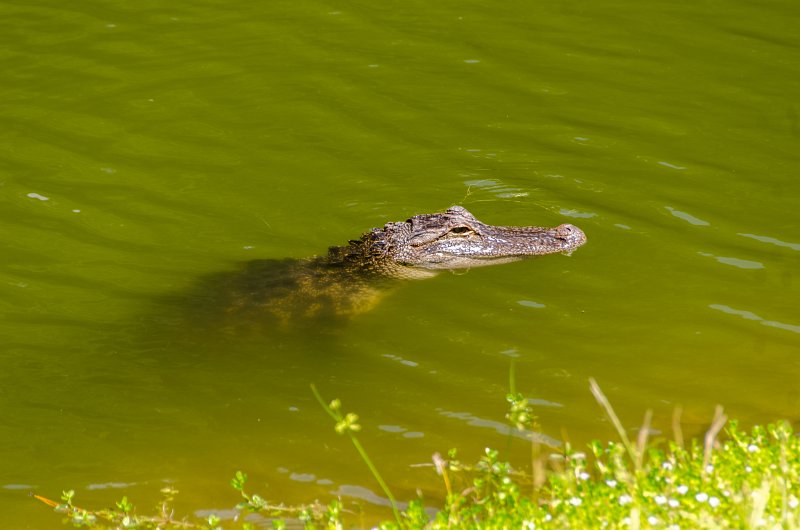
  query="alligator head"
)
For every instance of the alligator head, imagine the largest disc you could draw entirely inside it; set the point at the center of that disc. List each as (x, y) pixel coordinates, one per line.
(455, 239)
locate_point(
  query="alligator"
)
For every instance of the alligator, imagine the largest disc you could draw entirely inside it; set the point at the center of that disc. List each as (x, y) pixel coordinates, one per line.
(351, 279)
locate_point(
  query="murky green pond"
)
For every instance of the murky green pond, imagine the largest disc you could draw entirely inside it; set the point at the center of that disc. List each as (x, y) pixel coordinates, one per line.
(146, 146)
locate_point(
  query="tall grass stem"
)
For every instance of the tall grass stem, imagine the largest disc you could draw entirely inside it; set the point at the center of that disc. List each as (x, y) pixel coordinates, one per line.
(337, 416)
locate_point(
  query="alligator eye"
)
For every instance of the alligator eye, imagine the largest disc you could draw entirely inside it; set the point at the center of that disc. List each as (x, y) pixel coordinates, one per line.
(460, 230)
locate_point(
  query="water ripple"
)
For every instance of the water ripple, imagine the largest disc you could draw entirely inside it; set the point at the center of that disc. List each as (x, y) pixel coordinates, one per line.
(687, 217)
(499, 427)
(749, 315)
(772, 241)
(735, 262)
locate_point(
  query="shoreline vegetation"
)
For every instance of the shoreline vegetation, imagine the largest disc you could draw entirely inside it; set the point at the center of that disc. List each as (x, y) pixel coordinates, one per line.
(732, 478)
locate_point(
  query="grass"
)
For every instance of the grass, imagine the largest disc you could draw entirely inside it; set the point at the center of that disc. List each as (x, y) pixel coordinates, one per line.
(751, 479)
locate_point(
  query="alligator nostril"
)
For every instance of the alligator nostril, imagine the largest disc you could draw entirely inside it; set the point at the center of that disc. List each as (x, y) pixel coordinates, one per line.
(570, 234)
(565, 230)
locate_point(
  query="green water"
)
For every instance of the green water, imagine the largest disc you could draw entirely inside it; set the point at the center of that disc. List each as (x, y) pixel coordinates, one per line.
(147, 145)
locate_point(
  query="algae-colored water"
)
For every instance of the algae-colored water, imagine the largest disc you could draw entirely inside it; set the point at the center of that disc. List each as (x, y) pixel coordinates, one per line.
(146, 146)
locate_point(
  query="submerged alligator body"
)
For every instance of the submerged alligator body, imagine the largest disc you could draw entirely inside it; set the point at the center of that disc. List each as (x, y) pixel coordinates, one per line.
(351, 279)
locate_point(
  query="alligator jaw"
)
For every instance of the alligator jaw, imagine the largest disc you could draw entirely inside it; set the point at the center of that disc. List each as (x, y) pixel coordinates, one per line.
(455, 240)
(484, 245)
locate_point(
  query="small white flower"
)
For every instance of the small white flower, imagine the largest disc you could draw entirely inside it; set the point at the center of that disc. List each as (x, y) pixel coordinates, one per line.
(752, 448)
(667, 465)
(683, 489)
(748, 469)
(709, 468)
(660, 499)
(653, 520)
(528, 525)
(713, 502)
(548, 517)
(575, 501)
(578, 456)
(625, 499)
(611, 483)
(701, 497)
(626, 521)
(584, 476)
(673, 503)
(793, 502)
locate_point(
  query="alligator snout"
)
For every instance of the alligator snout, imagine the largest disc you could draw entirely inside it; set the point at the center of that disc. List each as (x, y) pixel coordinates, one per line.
(571, 234)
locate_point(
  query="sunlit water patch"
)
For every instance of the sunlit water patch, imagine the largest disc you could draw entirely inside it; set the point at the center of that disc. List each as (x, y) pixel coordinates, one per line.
(147, 148)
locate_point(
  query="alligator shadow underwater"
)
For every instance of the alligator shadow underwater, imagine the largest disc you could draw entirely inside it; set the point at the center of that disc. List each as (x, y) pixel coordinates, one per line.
(318, 294)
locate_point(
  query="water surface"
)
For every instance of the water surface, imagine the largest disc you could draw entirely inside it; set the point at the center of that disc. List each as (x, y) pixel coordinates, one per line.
(145, 147)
